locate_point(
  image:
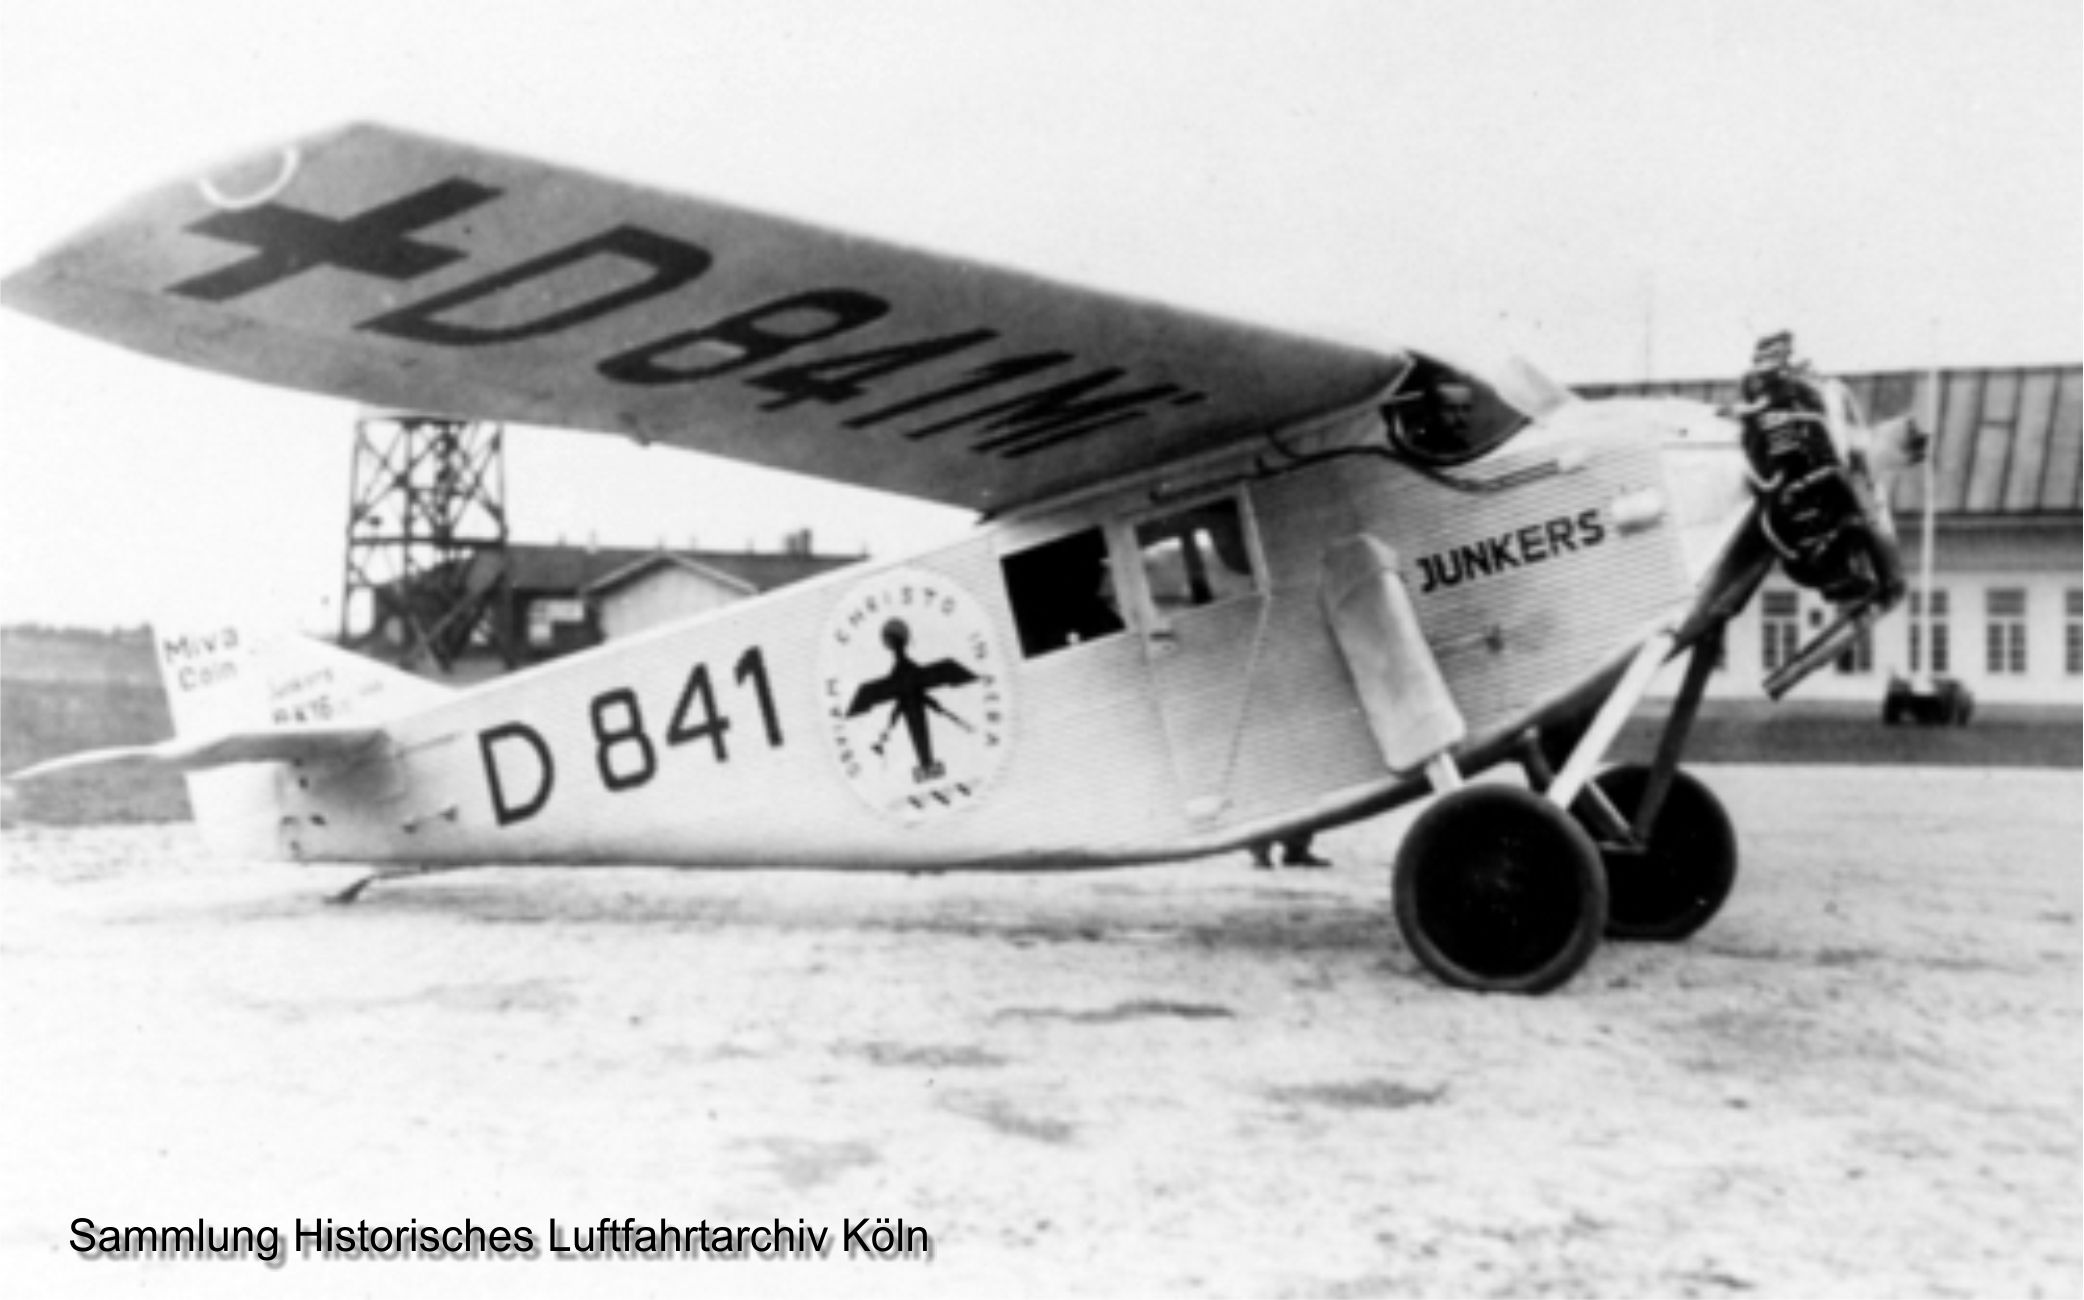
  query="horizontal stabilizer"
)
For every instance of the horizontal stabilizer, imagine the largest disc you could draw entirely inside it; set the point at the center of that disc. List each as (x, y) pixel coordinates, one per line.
(280, 745)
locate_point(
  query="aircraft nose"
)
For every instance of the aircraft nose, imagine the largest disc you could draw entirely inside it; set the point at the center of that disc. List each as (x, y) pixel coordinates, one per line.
(1709, 496)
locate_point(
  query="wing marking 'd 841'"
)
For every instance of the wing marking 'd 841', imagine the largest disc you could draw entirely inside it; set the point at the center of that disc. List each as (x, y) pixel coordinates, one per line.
(410, 272)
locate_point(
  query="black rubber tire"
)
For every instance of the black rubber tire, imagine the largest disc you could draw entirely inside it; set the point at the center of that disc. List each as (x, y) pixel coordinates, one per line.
(1677, 885)
(1497, 890)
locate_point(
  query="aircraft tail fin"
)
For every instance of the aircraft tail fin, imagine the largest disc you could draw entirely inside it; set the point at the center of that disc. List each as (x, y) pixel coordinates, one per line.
(244, 700)
(223, 678)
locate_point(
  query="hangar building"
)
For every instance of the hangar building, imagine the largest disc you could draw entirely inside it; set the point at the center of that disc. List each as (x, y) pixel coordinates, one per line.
(2007, 613)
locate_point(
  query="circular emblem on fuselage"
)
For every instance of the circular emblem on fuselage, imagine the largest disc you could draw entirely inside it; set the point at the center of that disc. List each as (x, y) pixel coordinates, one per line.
(918, 704)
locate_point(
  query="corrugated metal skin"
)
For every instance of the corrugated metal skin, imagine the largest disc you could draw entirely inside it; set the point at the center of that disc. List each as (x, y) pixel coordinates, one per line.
(1204, 687)
(1254, 698)
(1510, 642)
(1715, 392)
(1306, 734)
(1089, 761)
(2011, 439)
(1090, 765)
(1090, 776)
(1118, 749)
(1245, 708)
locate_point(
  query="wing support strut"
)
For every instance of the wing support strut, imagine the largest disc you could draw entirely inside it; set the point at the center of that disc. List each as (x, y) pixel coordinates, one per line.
(1671, 746)
(1702, 638)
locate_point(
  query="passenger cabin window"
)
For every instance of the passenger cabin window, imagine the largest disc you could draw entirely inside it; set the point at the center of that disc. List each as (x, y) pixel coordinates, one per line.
(1441, 416)
(1195, 556)
(1062, 593)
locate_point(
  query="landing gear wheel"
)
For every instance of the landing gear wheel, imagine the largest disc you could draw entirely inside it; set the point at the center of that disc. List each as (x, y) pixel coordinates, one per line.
(1680, 879)
(1498, 890)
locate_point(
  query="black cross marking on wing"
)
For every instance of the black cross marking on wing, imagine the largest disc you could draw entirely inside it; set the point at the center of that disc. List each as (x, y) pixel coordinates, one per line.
(290, 241)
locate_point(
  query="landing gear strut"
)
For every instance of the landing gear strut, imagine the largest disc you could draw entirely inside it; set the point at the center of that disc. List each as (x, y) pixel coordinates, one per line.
(1668, 879)
(1502, 890)
(1499, 889)
(1667, 845)
(1495, 889)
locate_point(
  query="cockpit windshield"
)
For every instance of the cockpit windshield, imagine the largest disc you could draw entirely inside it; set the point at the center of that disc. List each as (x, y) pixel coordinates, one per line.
(1438, 415)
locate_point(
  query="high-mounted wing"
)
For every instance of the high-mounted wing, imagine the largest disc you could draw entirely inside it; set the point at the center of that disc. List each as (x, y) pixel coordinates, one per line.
(409, 272)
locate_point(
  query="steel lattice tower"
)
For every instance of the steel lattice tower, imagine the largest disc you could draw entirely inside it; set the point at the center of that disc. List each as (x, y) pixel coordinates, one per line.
(426, 541)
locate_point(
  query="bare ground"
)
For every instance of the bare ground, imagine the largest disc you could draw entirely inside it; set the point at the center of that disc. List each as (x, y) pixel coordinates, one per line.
(1863, 1079)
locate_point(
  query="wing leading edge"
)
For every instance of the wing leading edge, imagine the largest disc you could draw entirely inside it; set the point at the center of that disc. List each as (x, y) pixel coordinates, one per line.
(409, 272)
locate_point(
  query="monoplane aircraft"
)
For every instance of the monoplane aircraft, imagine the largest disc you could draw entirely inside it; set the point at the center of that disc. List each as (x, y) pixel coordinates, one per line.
(1230, 583)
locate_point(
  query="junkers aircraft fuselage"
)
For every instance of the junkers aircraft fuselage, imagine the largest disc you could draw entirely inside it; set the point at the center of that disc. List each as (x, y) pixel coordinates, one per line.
(1233, 583)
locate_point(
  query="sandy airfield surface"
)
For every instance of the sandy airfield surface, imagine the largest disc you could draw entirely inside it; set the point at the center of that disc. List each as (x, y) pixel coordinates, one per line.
(1863, 1079)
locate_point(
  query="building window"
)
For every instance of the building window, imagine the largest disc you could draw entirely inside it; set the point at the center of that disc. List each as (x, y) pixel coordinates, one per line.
(1942, 654)
(556, 622)
(2004, 643)
(1858, 657)
(1780, 614)
(2073, 632)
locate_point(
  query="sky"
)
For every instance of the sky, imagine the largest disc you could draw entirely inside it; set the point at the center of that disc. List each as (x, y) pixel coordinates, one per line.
(1615, 190)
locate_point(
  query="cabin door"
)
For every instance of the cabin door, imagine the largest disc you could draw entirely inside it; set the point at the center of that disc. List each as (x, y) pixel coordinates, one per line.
(1196, 576)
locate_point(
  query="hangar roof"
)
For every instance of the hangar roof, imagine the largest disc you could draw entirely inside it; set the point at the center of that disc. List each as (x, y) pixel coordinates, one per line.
(2009, 437)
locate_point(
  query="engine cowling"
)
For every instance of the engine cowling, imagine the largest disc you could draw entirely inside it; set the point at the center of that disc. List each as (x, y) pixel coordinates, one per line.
(1806, 446)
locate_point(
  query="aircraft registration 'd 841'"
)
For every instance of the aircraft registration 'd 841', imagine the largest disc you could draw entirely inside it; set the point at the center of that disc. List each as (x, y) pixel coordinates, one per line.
(1232, 583)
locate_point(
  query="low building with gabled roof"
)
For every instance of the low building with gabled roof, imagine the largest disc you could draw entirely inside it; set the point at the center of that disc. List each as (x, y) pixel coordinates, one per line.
(541, 601)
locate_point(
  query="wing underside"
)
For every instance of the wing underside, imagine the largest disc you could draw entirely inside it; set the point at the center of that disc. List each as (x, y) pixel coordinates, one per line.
(408, 272)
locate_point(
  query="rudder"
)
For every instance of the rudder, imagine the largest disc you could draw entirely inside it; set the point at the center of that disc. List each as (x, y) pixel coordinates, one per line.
(225, 677)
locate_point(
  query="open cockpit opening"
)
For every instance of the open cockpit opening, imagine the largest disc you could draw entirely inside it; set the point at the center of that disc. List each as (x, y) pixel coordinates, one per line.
(1438, 415)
